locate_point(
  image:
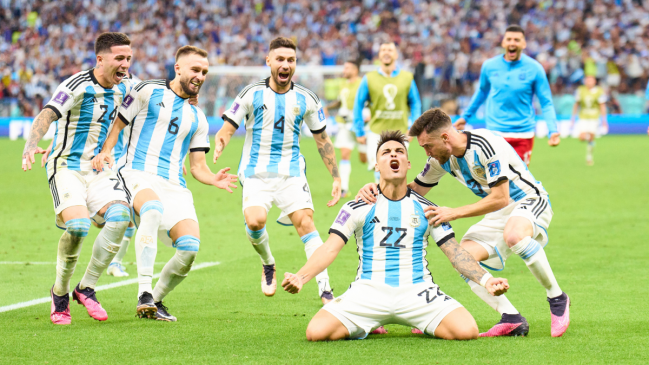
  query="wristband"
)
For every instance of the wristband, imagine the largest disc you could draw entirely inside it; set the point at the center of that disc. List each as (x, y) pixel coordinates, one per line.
(485, 278)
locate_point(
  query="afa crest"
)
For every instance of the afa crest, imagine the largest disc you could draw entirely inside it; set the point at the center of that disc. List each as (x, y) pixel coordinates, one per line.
(415, 221)
(296, 110)
(479, 169)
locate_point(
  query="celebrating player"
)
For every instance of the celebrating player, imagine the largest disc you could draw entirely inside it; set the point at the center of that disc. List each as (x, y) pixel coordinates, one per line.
(394, 101)
(84, 106)
(508, 82)
(345, 139)
(393, 284)
(590, 101)
(272, 170)
(164, 128)
(516, 207)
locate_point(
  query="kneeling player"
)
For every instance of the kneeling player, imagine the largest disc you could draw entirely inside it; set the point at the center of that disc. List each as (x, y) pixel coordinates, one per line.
(164, 127)
(393, 284)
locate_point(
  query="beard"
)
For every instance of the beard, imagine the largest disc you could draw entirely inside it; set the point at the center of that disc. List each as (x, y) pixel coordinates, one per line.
(278, 81)
(187, 88)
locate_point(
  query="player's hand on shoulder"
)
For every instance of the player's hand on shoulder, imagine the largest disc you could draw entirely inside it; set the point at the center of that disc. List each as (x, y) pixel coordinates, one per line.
(100, 159)
(292, 283)
(335, 192)
(460, 124)
(555, 139)
(28, 157)
(368, 193)
(497, 286)
(193, 100)
(439, 215)
(225, 181)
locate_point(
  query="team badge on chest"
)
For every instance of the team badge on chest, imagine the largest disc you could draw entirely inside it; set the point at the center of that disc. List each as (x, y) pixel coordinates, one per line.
(296, 110)
(479, 170)
(414, 221)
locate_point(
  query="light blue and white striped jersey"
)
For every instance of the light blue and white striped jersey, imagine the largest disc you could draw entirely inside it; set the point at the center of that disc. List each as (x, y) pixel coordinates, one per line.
(162, 129)
(488, 160)
(273, 124)
(85, 111)
(392, 237)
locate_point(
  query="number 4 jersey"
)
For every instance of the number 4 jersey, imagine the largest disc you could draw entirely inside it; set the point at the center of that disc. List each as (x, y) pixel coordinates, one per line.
(161, 129)
(273, 123)
(392, 237)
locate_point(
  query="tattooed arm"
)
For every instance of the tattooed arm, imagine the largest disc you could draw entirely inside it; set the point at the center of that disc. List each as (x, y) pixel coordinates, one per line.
(466, 265)
(328, 154)
(39, 128)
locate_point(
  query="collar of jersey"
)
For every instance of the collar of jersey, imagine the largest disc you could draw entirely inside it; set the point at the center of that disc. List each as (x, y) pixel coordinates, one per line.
(172, 90)
(405, 196)
(268, 86)
(94, 79)
(394, 73)
(468, 143)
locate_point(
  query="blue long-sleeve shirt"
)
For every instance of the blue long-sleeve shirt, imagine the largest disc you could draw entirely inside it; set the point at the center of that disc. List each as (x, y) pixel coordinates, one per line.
(363, 95)
(508, 88)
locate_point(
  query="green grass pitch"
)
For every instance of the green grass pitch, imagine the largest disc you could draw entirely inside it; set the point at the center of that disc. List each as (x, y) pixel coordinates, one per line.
(598, 250)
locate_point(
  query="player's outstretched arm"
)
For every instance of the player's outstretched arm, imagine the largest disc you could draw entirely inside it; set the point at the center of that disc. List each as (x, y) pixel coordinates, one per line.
(39, 128)
(466, 265)
(221, 139)
(328, 154)
(320, 260)
(200, 171)
(105, 155)
(496, 200)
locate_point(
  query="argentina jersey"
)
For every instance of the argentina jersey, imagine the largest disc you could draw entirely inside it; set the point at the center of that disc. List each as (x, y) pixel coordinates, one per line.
(273, 123)
(487, 161)
(161, 129)
(392, 237)
(85, 111)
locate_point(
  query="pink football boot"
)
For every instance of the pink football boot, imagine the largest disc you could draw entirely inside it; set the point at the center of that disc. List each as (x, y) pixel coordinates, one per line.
(87, 298)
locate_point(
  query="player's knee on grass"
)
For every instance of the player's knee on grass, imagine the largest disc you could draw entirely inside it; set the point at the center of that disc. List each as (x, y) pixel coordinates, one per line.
(152, 211)
(325, 327)
(457, 325)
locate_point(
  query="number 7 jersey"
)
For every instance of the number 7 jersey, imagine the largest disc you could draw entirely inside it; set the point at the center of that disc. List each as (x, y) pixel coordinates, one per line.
(161, 129)
(392, 237)
(273, 124)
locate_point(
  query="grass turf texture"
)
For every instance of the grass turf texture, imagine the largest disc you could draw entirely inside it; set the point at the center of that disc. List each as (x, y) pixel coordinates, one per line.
(596, 249)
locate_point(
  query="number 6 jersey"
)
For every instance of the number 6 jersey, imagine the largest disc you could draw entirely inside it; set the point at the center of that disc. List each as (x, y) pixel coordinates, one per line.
(273, 123)
(392, 237)
(161, 129)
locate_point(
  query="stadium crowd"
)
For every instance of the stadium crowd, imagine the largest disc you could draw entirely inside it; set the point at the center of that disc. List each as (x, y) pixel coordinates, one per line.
(443, 42)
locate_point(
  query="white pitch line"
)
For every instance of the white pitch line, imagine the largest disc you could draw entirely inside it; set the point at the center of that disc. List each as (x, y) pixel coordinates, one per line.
(27, 263)
(30, 303)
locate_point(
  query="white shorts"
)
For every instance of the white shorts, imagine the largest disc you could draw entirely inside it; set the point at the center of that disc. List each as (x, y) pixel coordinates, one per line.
(347, 139)
(587, 126)
(372, 147)
(288, 193)
(367, 305)
(88, 188)
(177, 201)
(489, 232)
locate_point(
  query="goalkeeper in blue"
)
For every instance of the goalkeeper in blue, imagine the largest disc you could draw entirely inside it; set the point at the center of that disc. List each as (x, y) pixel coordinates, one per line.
(393, 284)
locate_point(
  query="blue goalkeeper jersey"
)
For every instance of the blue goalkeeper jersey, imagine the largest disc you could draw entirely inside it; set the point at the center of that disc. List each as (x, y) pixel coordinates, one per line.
(508, 88)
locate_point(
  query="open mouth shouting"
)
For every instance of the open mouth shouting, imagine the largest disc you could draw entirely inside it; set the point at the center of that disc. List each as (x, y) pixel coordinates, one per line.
(394, 165)
(120, 75)
(283, 77)
(196, 84)
(512, 52)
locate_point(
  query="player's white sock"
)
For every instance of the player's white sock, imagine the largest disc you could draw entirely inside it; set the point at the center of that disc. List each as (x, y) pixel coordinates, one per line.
(534, 256)
(500, 303)
(107, 244)
(178, 267)
(146, 243)
(311, 243)
(130, 231)
(345, 168)
(259, 240)
(589, 150)
(68, 253)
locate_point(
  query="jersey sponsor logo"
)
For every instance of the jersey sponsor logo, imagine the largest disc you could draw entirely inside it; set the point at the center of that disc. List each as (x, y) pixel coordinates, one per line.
(494, 168)
(128, 100)
(343, 217)
(414, 221)
(234, 108)
(161, 104)
(321, 115)
(61, 98)
(390, 92)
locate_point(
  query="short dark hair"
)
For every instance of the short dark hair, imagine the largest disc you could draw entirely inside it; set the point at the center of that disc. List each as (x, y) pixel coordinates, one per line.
(354, 61)
(387, 136)
(515, 28)
(107, 40)
(282, 42)
(187, 50)
(432, 120)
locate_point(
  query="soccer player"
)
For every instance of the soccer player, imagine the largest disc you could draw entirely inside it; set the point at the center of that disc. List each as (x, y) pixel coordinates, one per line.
(508, 83)
(272, 169)
(84, 106)
(346, 140)
(393, 283)
(516, 207)
(164, 129)
(393, 100)
(590, 101)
